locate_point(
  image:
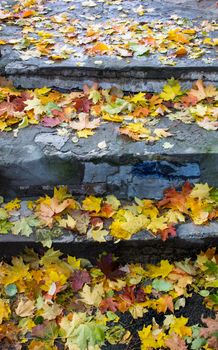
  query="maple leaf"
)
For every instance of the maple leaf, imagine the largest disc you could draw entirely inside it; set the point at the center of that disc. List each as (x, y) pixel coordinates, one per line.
(92, 296)
(167, 232)
(99, 48)
(201, 92)
(110, 267)
(208, 124)
(4, 310)
(159, 271)
(25, 226)
(51, 122)
(78, 279)
(50, 312)
(151, 340)
(108, 304)
(85, 123)
(25, 308)
(46, 330)
(164, 303)
(82, 104)
(35, 105)
(178, 326)
(178, 36)
(98, 235)
(138, 98)
(12, 107)
(141, 112)
(92, 203)
(200, 191)
(171, 90)
(47, 212)
(212, 327)
(176, 200)
(68, 223)
(175, 342)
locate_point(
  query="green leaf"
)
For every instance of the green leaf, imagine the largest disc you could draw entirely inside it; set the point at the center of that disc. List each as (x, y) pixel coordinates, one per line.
(204, 293)
(88, 335)
(45, 236)
(11, 289)
(198, 343)
(95, 96)
(5, 226)
(214, 298)
(115, 334)
(25, 226)
(179, 303)
(24, 123)
(212, 267)
(50, 107)
(138, 49)
(161, 285)
(3, 214)
(119, 106)
(214, 194)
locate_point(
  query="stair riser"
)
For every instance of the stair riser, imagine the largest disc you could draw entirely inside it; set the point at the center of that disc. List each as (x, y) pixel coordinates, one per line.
(142, 179)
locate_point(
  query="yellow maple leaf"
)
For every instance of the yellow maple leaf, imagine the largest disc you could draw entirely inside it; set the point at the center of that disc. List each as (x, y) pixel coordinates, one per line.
(99, 235)
(178, 326)
(200, 191)
(198, 210)
(85, 133)
(157, 223)
(13, 205)
(150, 339)
(163, 270)
(113, 201)
(73, 262)
(126, 224)
(138, 98)
(174, 216)
(68, 223)
(92, 296)
(92, 203)
(171, 90)
(4, 310)
(25, 308)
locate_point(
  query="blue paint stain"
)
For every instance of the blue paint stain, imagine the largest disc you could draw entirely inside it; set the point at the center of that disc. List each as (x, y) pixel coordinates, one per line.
(169, 170)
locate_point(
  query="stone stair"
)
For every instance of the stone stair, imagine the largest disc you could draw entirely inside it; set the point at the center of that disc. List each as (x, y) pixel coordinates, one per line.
(38, 158)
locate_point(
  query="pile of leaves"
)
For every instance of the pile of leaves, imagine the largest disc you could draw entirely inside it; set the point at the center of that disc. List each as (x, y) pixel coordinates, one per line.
(83, 112)
(97, 218)
(53, 303)
(64, 35)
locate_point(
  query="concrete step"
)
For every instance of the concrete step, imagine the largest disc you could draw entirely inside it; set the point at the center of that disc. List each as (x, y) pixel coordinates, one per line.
(142, 247)
(22, 63)
(39, 158)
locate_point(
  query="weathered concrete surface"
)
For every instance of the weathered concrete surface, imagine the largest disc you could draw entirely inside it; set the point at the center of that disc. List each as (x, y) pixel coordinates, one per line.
(141, 247)
(131, 73)
(39, 158)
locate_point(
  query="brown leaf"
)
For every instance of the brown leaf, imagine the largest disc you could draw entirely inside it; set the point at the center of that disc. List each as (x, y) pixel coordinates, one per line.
(175, 342)
(85, 123)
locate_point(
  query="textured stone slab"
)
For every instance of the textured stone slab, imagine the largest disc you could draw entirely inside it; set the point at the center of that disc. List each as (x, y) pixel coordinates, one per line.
(39, 158)
(131, 73)
(141, 248)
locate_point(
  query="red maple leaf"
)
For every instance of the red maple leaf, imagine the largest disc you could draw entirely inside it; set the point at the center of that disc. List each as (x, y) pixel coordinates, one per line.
(78, 279)
(108, 304)
(176, 200)
(167, 232)
(82, 104)
(110, 267)
(51, 122)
